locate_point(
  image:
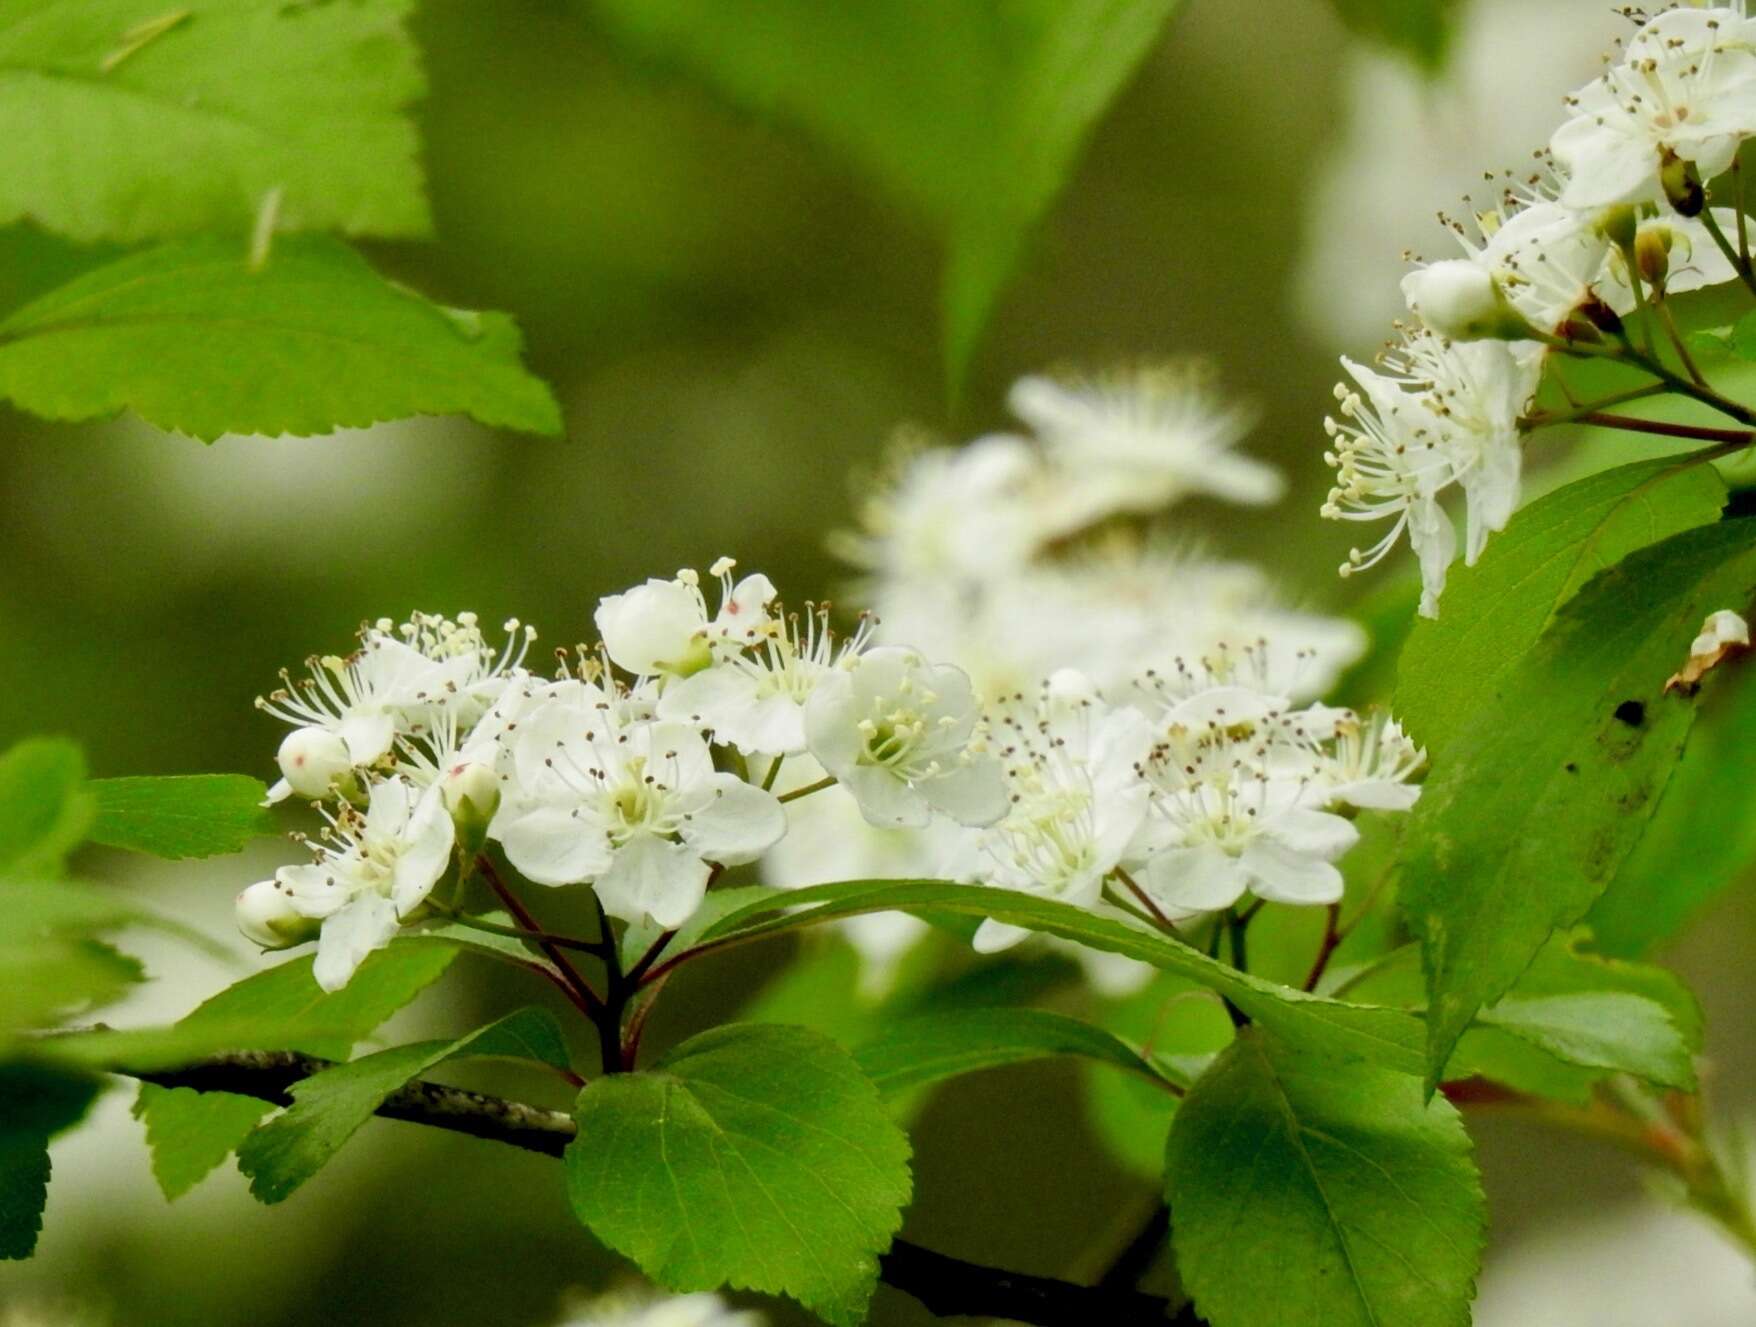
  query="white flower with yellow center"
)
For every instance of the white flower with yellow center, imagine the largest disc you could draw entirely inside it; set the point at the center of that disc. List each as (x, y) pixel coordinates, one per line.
(630, 805)
(900, 734)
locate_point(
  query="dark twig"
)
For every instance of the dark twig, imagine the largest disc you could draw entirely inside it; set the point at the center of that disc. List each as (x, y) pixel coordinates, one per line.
(946, 1286)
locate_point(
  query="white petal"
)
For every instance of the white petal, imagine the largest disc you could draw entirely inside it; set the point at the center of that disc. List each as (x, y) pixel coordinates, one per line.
(971, 794)
(425, 854)
(992, 936)
(738, 825)
(885, 800)
(1315, 832)
(654, 878)
(368, 736)
(1204, 878)
(552, 846)
(366, 924)
(1286, 875)
(651, 625)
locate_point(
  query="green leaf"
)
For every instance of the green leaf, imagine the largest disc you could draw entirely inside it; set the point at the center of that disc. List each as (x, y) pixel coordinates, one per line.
(1304, 1190)
(1418, 29)
(1743, 337)
(281, 1008)
(186, 815)
(1535, 804)
(50, 959)
(44, 809)
(329, 1107)
(191, 337)
(1493, 612)
(638, 937)
(929, 1047)
(138, 119)
(1702, 837)
(35, 1105)
(973, 113)
(190, 1133)
(1384, 1035)
(754, 1155)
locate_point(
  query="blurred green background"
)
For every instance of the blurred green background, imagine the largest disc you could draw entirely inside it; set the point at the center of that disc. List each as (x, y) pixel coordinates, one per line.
(734, 322)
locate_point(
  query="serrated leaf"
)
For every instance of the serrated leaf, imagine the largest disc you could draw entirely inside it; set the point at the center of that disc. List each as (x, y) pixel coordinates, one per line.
(1384, 1035)
(926, 1048)
(1534, 806)
(974, 113)
(178, 816)
(1702, 837)
(754, 1155)
(282, 1008)
(1305, 1190)
(44, 808)
(191, 337)
(1493, 612)
(35, 1105)
(330, 1106)
(139, 119)
(189, 1133)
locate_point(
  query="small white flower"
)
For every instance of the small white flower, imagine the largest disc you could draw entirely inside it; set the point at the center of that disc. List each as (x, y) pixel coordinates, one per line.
(1141, 439)
(1073, 775)
(665, 626)
(312, 761)
(1685, 91)
(1366, 762)
(267, 917)
(1462, 300)
(900, 735)
(373, 872)
(756, 700)
(629, 805)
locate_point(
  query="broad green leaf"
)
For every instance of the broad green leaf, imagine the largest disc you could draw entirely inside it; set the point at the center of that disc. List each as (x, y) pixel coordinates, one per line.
(928, 1047)
(329, 1107)
(1387, 1036)
(1572, 1007)
(35, 1105)
(191, 337)
(1533, 807)
(1493, 612)
(138, 119)
(1418, 29)
(973, 113)
(486, 943)
(190, 1133)
(44, 807)
(1182, 1027)
(754, 1155)
(51, 962)
(186, 815)
(1702, 837)
(281, 1008)
(1305, 1190)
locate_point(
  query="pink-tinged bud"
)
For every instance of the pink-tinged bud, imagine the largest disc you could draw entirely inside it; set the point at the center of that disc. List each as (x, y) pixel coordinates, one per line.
(471, 792)
(266, 917)
(313, 761)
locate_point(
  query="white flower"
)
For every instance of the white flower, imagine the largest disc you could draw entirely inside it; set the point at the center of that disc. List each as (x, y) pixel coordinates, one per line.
(372, 873)
(1462, 300)
(630, 805)
(664, 626)
(1228, 816)
(312, 761)
(1139, 440)
(267, 917)
(1685, 91)
(1073, 775)
(900, 735)
(703, 1310)
(756, 700)
(957, 515)
(1369, 763)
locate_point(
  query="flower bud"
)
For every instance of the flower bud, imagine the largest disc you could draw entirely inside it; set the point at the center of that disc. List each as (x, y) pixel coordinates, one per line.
(1682, 185)
(266, 917)
(313, 761)
(472, 795)
(1461, 301)
(1652, 254)
(655, 628)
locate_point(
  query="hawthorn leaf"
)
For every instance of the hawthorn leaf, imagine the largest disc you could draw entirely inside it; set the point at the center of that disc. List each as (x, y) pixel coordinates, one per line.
(35, 1104)
(178, 816)
(1303, 1189)
(1537, 802)
(753, 1155)
(189, 1133)
(45, 809)
(193, 337)
(133, 120)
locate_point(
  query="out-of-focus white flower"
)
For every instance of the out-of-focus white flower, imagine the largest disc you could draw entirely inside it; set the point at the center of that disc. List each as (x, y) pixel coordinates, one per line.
(1462, 300)
(1073, 776)
(1140, 439)
(1684, 91)
(900, 734)
(756, 700)
(651, 1310)
(373, 872)
(631, 806)
(665, 626)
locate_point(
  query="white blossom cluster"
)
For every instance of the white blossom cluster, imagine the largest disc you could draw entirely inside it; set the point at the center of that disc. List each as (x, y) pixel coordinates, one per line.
(649, 761)
(1615, 211)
